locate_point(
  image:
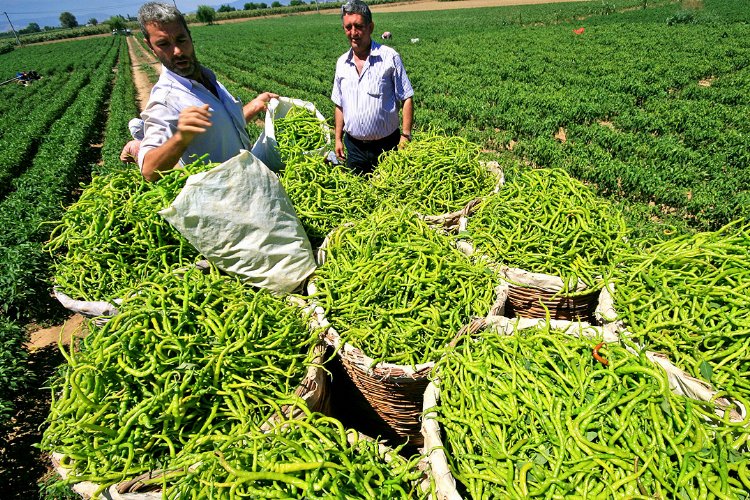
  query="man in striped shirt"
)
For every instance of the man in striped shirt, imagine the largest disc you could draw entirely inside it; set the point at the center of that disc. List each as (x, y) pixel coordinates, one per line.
(369, 88)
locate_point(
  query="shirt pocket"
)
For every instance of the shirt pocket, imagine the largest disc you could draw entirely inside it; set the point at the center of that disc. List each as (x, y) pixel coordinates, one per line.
(376, 87)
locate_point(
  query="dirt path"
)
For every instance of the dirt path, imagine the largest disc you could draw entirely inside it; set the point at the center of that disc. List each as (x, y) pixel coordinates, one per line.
(44, 337)
(138, 58)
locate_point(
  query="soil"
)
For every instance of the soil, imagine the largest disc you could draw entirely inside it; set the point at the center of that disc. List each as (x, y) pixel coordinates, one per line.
(139, 57)
(22, 465)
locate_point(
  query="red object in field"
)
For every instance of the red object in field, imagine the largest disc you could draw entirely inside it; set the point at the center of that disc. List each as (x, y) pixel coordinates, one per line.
(579, 31)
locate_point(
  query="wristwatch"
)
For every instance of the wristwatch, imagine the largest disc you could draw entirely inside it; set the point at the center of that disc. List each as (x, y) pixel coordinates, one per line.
(408, 136)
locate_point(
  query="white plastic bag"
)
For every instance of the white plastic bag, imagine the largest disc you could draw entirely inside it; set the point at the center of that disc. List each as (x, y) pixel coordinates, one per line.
(266, 147)
(239, 217)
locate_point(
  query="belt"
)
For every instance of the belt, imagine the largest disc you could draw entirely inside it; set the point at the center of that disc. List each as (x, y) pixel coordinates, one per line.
(365, 141)
(369, 141)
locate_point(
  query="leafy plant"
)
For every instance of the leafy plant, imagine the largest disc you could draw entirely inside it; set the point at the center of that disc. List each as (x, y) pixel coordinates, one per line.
(681, 17)
(52, 487)
(14, 373)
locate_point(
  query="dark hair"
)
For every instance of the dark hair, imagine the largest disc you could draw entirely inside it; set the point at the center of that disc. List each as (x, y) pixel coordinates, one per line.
(357, 7)
(161, 13)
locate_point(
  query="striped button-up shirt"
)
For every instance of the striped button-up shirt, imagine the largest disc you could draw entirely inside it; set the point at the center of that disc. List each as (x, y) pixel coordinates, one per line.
(371, 100)
(171, 94)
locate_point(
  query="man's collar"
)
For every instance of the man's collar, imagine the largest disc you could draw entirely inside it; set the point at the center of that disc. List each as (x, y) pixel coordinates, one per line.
(374, 49)
(187, 82)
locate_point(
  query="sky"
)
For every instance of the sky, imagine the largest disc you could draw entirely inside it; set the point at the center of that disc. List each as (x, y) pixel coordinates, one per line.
(47, 12)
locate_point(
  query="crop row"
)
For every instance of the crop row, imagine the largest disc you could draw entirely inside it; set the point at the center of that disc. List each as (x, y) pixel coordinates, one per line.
(122, 107)
(41, 104)
(56, 64)
(49, 59)
(55, 142)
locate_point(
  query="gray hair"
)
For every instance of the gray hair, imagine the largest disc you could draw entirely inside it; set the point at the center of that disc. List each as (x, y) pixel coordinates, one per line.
(357, 7)
(160, 13)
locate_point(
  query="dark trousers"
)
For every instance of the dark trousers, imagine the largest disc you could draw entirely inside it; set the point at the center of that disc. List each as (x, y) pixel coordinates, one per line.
(362, 156)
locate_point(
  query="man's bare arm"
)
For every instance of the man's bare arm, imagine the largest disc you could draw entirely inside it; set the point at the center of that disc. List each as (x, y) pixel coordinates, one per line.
(407, 116)
(338, 120)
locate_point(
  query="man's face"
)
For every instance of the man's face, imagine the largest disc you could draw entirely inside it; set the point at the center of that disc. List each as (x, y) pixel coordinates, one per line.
(357, 31)
(173, 47)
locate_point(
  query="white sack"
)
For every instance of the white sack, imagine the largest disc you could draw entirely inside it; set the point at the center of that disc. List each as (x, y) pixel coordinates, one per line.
(239, 217)
(266, 147)
(90, 309)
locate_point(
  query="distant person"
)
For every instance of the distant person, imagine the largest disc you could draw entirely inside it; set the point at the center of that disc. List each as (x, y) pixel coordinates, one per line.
(189, 113)
(369, 89)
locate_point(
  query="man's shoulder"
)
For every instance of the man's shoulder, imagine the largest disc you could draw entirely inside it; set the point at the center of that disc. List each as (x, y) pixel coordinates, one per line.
(160, 92)
(385, 52)
(343, 57)
(167, 87)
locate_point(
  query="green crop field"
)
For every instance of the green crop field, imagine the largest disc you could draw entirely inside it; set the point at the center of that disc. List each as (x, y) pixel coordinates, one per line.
(639, 110)
(653, 102)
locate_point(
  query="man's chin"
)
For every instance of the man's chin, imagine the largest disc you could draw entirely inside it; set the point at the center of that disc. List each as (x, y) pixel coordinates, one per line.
(187, 71)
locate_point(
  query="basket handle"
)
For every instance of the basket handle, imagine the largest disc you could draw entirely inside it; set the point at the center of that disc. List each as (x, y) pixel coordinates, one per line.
(470, 328)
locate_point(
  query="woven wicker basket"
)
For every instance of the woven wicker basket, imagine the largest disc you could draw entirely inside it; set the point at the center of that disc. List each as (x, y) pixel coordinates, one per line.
(445, 487)
(393, 392)
(532, 302)
(535, 295)
(313, 390)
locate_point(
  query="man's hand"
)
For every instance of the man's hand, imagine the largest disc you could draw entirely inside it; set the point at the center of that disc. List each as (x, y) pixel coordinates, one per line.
(339, 150)
(129, 153)
(193, 120)
(403, 142)
(260, 103)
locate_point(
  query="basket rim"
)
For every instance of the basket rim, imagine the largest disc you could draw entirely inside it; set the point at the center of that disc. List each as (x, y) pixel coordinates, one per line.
(521, 278)
(382, 371)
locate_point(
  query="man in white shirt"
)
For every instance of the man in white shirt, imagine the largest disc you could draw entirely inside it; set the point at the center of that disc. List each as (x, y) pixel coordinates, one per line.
(189, 113)
(369, 88)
